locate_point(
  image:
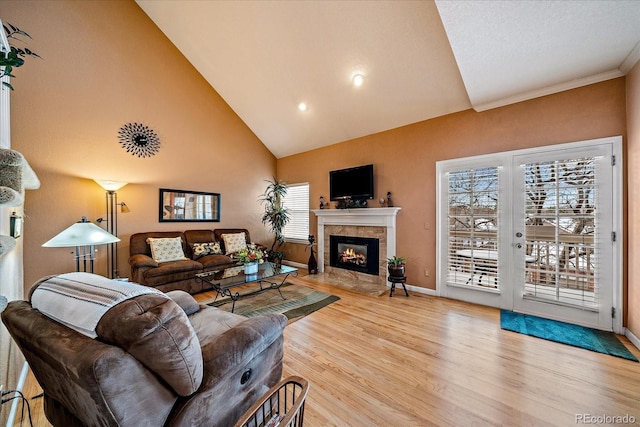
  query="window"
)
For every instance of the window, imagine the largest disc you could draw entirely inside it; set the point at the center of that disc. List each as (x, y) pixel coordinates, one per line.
(297, 201)
(473, 227)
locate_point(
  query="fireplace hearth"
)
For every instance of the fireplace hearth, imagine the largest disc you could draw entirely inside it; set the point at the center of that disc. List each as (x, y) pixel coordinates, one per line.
(360, 254)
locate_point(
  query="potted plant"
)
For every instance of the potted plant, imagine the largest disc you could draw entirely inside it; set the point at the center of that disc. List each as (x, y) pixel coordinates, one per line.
(250, 257)
(11, 56)
(395, 265)
(276, 216)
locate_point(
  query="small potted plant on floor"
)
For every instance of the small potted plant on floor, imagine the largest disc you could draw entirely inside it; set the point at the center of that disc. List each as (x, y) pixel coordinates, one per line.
(395, 265)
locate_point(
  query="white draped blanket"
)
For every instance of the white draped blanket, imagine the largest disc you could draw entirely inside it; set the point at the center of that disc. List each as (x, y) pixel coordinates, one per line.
(79, 300)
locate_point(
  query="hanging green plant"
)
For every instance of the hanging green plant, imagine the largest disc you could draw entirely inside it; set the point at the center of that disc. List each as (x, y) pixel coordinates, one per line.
(11, 56)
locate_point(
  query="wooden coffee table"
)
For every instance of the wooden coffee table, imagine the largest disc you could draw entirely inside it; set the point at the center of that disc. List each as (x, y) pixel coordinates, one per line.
(226, 279)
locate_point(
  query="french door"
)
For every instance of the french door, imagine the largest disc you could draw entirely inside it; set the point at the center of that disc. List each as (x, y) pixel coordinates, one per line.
(534, 231)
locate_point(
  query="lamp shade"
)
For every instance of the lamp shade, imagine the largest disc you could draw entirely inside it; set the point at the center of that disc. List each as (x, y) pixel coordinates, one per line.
(124, 208)
(110, 185)
(83, 233)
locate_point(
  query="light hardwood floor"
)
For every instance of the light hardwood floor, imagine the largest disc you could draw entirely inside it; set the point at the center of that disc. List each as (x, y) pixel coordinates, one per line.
(420, 361)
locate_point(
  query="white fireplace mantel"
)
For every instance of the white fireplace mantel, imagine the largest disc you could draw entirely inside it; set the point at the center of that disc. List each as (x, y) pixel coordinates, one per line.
(365, 217)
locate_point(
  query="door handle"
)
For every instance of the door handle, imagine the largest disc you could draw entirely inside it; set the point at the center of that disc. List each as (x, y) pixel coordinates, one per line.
(519, 245)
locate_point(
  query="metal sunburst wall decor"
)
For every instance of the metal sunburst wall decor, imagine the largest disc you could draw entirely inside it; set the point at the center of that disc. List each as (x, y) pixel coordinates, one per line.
(139, 139)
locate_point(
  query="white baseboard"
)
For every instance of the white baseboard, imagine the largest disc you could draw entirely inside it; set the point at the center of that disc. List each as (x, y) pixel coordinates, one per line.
(19, 387)
(634, 339)
(294, 264)
(417, 289)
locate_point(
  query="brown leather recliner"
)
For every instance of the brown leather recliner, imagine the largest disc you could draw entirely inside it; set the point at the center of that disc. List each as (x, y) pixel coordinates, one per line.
(155, 362)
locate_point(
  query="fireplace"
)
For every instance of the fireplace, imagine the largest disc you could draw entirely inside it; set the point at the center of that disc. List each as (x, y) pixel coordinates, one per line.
(377, 223)
(360, 254)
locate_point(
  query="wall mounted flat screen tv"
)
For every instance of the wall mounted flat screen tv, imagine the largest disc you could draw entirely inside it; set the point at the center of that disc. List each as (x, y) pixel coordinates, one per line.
(351, 183)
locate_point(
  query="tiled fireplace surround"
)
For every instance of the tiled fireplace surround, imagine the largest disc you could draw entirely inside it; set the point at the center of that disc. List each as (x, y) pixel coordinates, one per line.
(378, 223)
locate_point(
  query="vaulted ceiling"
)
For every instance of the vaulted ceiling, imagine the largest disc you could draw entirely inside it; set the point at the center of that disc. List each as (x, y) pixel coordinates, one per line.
(419, 59)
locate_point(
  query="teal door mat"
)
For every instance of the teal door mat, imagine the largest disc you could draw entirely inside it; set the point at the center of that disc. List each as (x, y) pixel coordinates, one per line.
(565, 333)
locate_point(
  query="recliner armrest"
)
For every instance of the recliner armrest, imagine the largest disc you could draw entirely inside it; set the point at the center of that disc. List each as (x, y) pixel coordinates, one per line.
(229, 351)
(93, 381)
(141, 260)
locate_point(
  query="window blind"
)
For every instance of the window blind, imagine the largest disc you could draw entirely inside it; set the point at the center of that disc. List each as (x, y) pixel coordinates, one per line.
(561, 230)
(297, 202)
(473, 228)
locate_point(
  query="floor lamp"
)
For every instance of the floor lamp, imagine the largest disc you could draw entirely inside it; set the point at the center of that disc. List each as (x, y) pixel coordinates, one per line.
(112, 222)
(84, 236)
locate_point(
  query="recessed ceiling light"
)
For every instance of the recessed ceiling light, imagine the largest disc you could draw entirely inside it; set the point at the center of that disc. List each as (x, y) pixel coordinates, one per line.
(358, 80)
(302, 106)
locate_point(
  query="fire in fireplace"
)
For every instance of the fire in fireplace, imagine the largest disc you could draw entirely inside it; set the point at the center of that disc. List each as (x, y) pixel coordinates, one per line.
(349, 255)
(354, 253)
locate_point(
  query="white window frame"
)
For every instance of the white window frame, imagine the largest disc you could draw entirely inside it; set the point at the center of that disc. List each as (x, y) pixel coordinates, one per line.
(298, 213)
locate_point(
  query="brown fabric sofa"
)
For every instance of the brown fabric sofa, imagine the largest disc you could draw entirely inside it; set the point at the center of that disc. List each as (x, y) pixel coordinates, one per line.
(178, 275)
(156, 362)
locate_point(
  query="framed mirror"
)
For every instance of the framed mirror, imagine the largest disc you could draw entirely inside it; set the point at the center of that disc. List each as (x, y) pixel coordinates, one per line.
(189, 206)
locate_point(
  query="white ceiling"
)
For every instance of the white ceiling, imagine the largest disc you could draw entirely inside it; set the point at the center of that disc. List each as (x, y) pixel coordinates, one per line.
(420, 59)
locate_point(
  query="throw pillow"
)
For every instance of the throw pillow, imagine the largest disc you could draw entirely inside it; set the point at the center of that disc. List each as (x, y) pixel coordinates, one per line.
(202, 249)
(234, 242)
(166, 249)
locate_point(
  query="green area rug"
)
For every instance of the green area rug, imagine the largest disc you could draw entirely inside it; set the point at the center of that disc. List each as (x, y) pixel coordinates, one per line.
(566, 333)
(300, 301)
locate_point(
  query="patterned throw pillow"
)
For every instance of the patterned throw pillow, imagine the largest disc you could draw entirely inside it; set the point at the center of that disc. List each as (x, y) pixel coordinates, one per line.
(166, 249)
(202, 249)
(234, 242)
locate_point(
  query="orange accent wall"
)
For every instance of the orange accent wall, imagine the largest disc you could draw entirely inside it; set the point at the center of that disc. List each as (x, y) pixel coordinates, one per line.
(106, 64)
(633, 178)
(405, 158)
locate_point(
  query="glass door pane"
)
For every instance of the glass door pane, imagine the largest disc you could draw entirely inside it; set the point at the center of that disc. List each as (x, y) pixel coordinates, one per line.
(560, 224)
(473, 228)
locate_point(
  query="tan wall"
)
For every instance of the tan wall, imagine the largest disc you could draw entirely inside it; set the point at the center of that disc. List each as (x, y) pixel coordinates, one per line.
(633, 179)
(405, 158)
(106, 64)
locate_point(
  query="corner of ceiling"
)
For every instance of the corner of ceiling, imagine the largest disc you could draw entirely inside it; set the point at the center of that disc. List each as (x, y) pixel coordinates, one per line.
(548, 90)
(631, 60)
